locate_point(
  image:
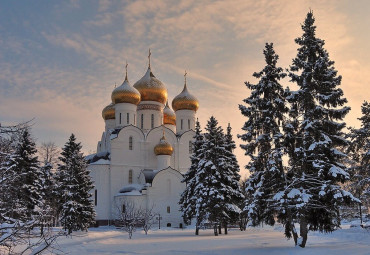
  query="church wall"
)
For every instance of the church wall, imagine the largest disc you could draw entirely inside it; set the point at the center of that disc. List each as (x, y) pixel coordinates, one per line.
(136, 202)
(100, 176)
(184, 155)
(123, 154)
(165, 192)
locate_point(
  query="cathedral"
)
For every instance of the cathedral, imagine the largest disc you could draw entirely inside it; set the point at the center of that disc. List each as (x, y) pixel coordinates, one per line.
(144, 150)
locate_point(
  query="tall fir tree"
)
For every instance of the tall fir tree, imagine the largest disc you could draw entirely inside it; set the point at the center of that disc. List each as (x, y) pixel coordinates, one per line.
(214, 195)
(23, 180)
(314, 137)
(265, 111)
(231, 178)
(188, 198)
(74, 186)
(359, 152)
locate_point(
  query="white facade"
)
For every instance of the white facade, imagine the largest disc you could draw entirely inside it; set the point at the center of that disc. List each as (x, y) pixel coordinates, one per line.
(126, 167)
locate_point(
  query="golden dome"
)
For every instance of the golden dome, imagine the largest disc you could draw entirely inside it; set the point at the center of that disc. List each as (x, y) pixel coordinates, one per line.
(109, 112)
(185, 100)
(151, 89)
(126, 93)
(169, 116)
(163, 148)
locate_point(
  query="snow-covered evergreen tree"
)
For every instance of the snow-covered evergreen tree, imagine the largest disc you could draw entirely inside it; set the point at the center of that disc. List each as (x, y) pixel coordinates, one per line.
(264, 139)
(359, 152)
(188, 198)
(231, 178)
(74, 185)
(214, 193)
(314, 137)
(23, 180)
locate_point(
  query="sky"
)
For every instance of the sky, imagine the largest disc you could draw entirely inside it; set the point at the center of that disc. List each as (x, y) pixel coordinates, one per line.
(59, 60)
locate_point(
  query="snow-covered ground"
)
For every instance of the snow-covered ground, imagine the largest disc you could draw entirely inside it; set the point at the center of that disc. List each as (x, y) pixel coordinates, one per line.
(267, 240)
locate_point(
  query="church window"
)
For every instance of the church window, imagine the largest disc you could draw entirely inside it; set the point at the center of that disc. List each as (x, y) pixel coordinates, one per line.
(168, 209)
(96, 197)
(134, 119)
(152, 120)
(142, 121)
(128, 118)
(168, 225)
(188, 124)
(190, 147)
(123, 208)
(181, 123)
(130, 176)
(120, 118)
(130, 143)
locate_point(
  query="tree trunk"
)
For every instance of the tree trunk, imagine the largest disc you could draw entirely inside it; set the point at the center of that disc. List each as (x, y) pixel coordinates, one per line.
(294, 233)
(196, 230)
(219, 229)
(360, 213)
(215, 230)
(225, 225)
(303, 232)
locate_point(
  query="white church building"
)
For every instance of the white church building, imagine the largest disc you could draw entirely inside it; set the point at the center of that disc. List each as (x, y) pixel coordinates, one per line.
(144, 150)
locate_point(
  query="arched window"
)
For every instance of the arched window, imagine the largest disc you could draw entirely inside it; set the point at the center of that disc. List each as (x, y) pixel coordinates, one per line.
(123, 208)
(152, 121)
(130, 146)
(130, 176)
(128, 118)
(142, 121)
(190, 147)
(168, 225)
(181, 123)
(168, 209)
(120, 118)
(134, 119)
(188, 124)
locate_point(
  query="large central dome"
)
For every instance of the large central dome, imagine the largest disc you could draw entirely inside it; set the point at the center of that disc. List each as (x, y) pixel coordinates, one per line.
(151, 89)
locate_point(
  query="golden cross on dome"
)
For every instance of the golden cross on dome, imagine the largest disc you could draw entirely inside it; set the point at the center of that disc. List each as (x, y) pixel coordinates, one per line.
(149, 56)
(185, 76)
(115, 85)
(126, 70)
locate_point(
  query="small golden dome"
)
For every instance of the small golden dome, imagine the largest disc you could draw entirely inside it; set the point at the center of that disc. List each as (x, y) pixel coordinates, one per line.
(109, 112)
(185, 100)
(169, 116)
(126, 93)
(151, 89)
(163, 148)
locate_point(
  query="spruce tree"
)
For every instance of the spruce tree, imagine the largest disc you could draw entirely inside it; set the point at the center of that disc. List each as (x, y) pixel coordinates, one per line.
(23, 180)
(264, 140)
(359, 152)
(74, 185)
(213, 192)
(188, 198)
(231, 178)
(314, 137)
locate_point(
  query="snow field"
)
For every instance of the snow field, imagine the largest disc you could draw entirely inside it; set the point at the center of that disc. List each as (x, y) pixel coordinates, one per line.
(267, 240)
